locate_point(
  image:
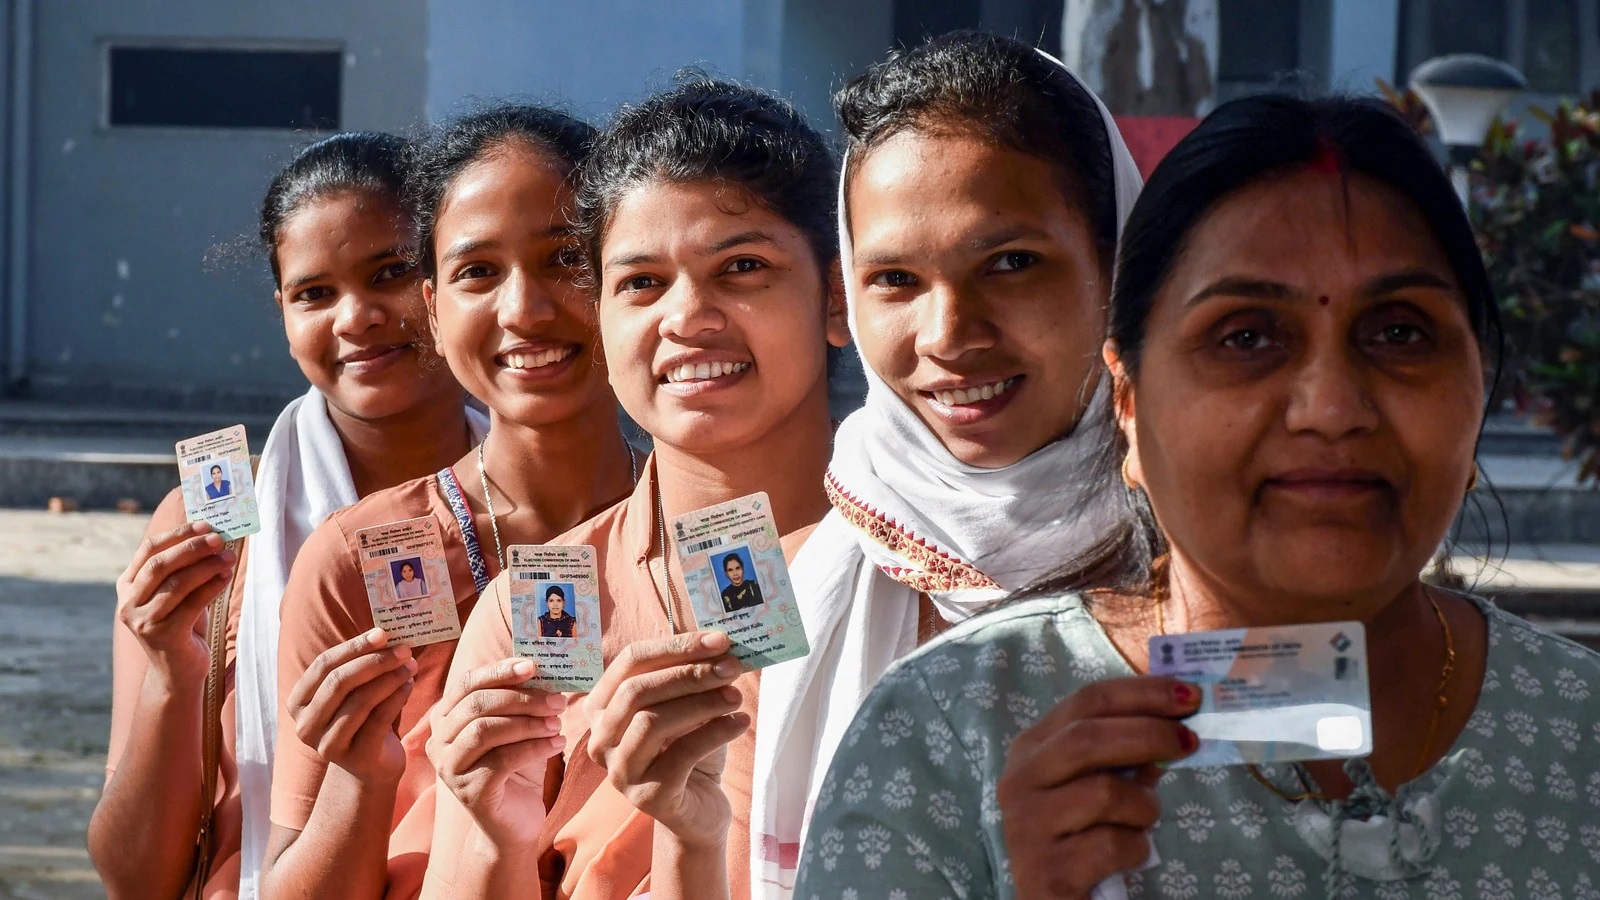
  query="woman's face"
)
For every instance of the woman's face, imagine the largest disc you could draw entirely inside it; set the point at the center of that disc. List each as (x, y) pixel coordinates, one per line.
(505, 311)
(1308, 398)
(981, 291)
(715, 315)
(352, 306)
(735, 571)
(408, 573)
(216, 476)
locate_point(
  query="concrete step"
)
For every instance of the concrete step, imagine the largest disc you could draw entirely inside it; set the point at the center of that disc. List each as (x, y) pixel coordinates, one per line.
(1534, 500)
(1554, 585)
(1507, 434)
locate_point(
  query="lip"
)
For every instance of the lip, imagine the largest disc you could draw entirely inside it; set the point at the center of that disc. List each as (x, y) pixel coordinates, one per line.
(373, 360)
(704, 382)
(538, 360)
(1328, 483)
(964, 414)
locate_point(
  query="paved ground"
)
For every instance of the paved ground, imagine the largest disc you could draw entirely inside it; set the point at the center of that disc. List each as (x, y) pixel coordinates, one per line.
(56, 602)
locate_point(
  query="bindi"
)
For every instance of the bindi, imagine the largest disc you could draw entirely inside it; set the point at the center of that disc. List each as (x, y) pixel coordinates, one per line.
(1323, 300)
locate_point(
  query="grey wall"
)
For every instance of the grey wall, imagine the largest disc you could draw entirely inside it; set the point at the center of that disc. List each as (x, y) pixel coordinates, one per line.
(119, 303)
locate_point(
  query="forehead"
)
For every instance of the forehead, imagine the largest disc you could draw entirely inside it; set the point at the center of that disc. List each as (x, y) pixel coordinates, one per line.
(509, 185)
(666, 218)
(950, 182)
(1311, 231)
(339, 229)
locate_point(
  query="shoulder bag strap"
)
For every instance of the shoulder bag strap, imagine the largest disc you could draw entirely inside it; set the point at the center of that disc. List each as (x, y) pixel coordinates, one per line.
(211, 742)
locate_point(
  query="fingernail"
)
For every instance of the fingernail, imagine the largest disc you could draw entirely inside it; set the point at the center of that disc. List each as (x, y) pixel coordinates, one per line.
(726, 668)
(557, 702)
(731, 694)
(402, 653)
(228, 556)
(711, 640)
(1185, 693)
(374, 636)
(214, 540)
(411, 665)
(1188, 740)
(523, 669)
(558, 742)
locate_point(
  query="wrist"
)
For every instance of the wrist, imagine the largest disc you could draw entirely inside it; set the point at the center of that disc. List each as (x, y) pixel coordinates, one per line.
(694, 841)
(366, 787)
(174, 681)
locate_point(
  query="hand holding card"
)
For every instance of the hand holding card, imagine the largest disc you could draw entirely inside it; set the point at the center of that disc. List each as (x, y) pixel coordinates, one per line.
(555, 614)
(408, 582)
(218, 487)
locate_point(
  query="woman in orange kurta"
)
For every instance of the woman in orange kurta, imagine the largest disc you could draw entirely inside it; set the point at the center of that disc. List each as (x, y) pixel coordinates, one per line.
(352, 804)
(708, 213)
(361, 427)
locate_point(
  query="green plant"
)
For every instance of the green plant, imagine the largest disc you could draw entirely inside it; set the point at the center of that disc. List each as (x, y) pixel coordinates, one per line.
(1535, 207)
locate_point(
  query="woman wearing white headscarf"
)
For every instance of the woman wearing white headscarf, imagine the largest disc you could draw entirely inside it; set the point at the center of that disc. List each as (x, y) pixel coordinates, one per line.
(982, 194)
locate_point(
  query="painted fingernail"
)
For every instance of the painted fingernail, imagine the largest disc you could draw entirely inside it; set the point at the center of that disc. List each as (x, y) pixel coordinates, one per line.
(726, 668)
(1188, 740)
(1185, 693)
(523, 669)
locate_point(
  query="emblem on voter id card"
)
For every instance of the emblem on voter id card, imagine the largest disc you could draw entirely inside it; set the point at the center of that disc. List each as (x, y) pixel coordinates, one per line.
(738, 581)
(218, 487)
(408, 582)
(1273, 695)
(555, 614)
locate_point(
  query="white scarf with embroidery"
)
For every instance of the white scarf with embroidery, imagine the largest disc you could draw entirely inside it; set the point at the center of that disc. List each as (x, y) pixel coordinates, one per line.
(910, 518)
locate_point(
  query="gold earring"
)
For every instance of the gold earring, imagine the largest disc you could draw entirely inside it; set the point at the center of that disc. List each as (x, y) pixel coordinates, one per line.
(1472, 483)
(1126, 478)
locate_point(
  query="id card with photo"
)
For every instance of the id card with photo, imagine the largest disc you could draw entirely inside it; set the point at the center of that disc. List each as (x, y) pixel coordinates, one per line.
(555, 614)
(738, 581)
(408, 582)
(218, 487)
(1273, 695)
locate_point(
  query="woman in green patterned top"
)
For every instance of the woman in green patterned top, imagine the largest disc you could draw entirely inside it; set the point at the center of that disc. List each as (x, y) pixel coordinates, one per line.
(1301, 336)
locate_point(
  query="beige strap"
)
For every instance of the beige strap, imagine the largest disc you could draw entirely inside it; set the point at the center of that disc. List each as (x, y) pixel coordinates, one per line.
(211, 742)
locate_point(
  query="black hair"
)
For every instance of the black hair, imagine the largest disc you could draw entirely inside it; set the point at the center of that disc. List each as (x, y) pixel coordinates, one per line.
(217, 469)
(706, 129)
(1001, 89)
(353, 161)
(440, 157)
(1240, 144)
(731, 557)
(554, 591)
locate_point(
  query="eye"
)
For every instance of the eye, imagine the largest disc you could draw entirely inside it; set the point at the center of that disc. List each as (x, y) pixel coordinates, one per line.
(392, 271)
(1247, 339)
(471, 271)
(313, 294)
(1014, 261)
(892, 279)
(744, 264)
(1400, 334)
(635, 283)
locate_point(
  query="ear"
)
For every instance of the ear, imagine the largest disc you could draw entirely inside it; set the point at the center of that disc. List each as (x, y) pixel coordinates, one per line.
(277, 299)
(1122, 399)
(430, 299)
(838, 307)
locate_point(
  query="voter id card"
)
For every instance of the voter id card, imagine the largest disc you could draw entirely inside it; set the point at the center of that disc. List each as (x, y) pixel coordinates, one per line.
(218, 487)
(738, 581)
(555, 614)
(1273, 695)
(408, 582)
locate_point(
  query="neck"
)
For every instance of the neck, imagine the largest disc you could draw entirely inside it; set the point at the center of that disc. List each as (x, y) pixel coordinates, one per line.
(548, 478)
(788, 463)
(410, 444)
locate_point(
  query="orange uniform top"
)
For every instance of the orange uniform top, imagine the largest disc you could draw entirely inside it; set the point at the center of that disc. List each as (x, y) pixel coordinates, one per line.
(128, 666)
(595, 845)
(324, 604)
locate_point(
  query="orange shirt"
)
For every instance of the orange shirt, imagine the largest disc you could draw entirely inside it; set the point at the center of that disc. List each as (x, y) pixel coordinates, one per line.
(595, 844)
(128, 666)
(325, 603)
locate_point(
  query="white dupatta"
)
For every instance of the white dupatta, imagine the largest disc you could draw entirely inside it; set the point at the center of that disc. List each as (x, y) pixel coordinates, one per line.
(303, 478)
(910, 518)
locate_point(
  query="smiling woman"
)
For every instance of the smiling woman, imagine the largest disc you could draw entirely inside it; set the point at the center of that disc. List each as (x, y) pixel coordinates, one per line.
(1300, 336)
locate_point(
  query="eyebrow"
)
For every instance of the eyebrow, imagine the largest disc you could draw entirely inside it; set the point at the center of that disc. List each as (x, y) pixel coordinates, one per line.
(464, 248)
(1263, 289)
(980, 244)
(1411, 278)
(742, 239)
(380, 256)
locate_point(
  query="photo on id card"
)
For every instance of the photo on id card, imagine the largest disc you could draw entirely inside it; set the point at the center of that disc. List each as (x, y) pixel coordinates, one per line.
(408, 582)
(738, 581)
(214, 472)
(1273, 695)
(555, 614)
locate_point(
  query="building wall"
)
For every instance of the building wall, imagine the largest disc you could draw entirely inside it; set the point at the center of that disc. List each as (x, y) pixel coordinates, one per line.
(119, 301)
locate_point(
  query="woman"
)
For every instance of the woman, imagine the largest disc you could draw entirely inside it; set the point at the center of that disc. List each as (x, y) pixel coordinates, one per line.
(1299, 337)
(492, 197)
(978, 290)
(708, 212)
(380, 411)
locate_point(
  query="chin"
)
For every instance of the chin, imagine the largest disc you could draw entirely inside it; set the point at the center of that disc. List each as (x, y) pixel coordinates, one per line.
(1350, 578)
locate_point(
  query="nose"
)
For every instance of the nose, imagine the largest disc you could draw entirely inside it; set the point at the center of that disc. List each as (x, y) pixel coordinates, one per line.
(952, 323)
(525, 302)
(356, 314)
(690, 310)
(1331, 395)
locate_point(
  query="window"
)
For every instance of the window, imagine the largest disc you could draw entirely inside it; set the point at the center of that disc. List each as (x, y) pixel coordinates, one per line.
(1258, 40)
(1550, 46)
(1467, 26)
(184, 87)
(1539, 37)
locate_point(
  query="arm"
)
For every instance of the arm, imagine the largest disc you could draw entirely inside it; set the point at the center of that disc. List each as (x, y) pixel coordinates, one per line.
(339, 761)
(142, 834)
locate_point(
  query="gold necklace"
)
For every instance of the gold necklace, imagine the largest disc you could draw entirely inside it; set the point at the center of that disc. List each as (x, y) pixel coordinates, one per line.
(1441, 702)
(488, 498)
(671, 600)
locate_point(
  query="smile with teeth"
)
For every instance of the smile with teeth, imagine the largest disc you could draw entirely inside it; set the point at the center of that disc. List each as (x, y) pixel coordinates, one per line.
(964, 396)
(538, 359)
(704, 371)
